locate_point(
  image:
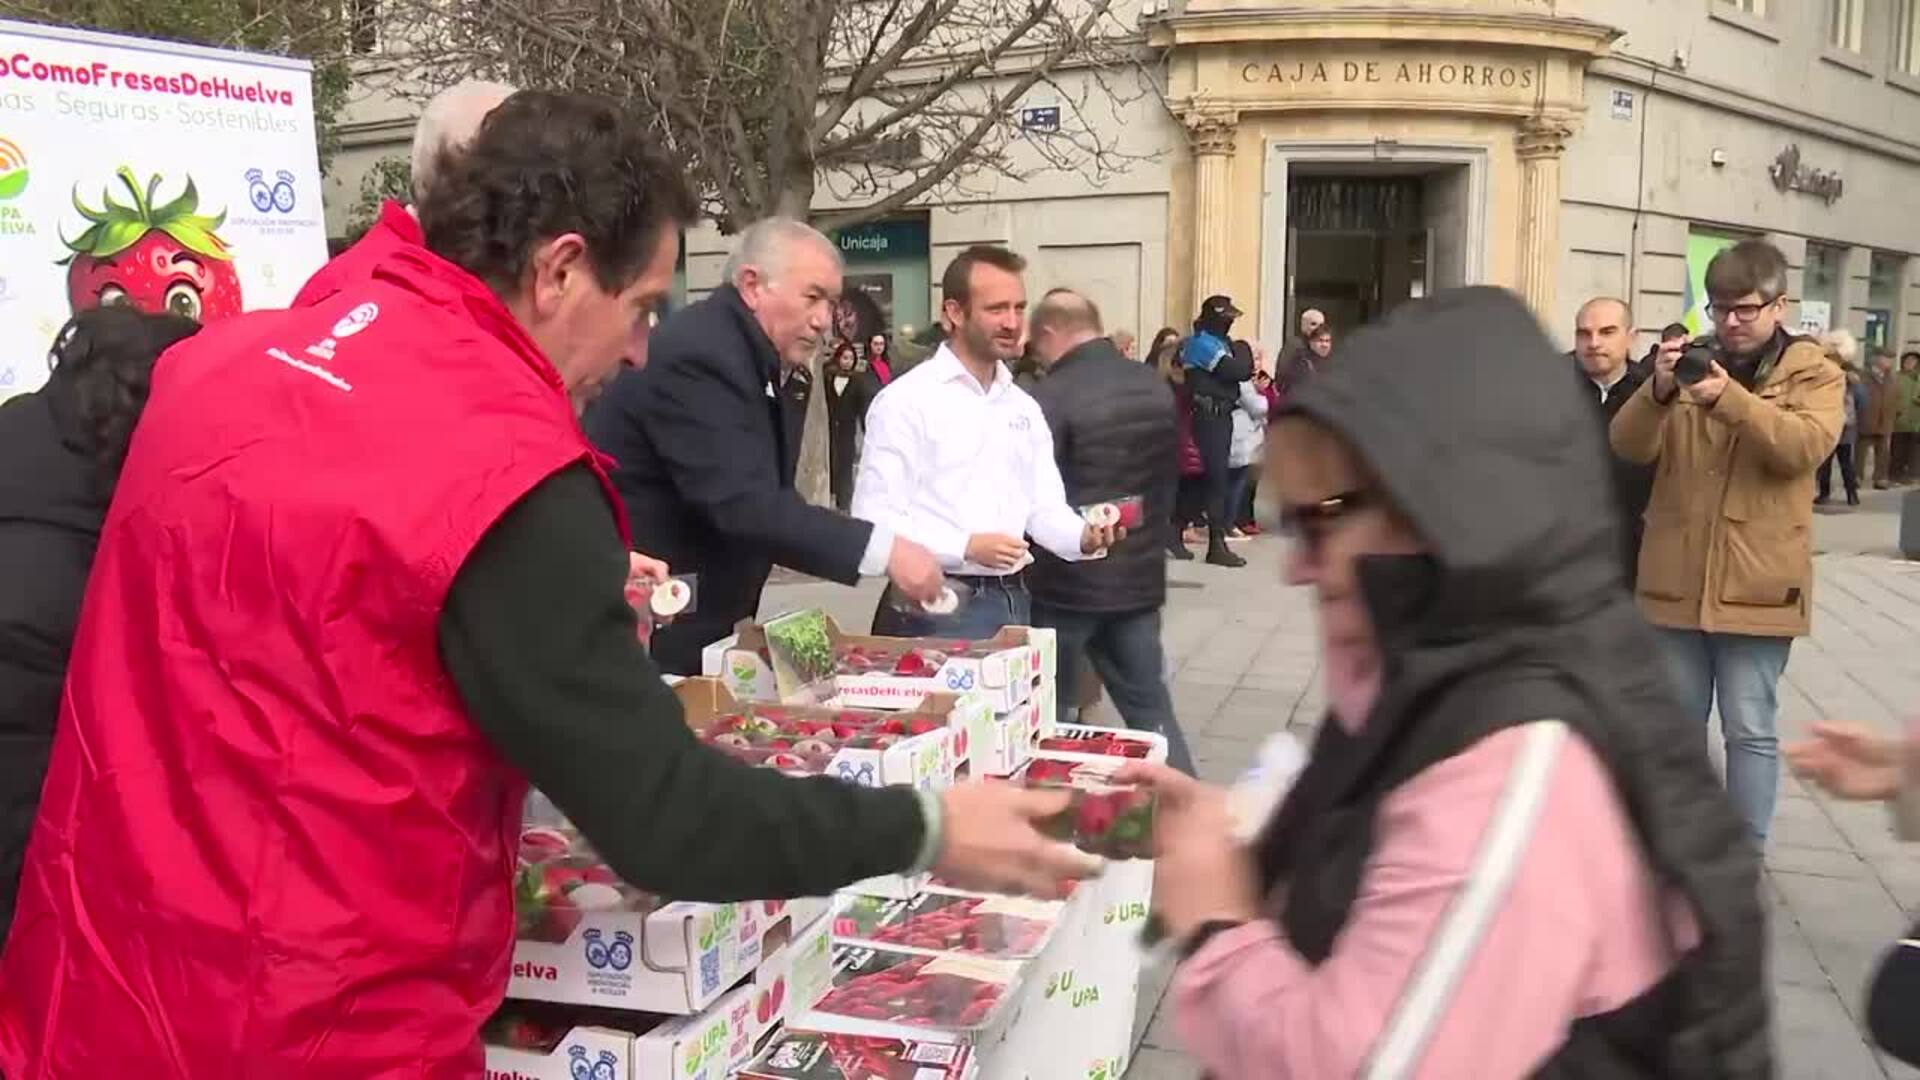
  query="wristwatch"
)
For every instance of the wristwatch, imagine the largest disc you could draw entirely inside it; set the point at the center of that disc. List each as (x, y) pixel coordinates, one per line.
(1204, 933)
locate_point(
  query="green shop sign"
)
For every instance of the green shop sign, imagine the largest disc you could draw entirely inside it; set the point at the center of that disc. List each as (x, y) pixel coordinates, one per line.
(883, 241)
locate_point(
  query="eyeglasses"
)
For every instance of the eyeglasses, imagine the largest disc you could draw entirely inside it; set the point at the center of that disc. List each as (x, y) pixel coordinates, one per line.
(1740, 313)
(1309, 524)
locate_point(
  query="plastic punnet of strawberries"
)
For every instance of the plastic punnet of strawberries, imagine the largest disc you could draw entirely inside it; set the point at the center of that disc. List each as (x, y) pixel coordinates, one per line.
(939, 923)
(1109, 820)
(557, 880)
(897, 988)
(1106, 745)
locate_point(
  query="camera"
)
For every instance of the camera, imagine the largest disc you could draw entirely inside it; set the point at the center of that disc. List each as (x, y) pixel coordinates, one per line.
(1696, 362)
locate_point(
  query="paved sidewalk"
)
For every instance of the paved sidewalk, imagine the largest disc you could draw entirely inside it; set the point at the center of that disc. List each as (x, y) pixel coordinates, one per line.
(1242, 650)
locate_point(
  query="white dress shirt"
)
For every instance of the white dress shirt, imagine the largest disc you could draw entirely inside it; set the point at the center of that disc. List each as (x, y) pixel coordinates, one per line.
(946, 458)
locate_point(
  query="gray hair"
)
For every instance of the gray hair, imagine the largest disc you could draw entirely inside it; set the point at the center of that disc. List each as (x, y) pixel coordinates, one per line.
(768, 243)
(449, 122)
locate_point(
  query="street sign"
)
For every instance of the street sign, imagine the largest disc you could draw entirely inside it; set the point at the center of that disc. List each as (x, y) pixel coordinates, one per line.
(1044, 119)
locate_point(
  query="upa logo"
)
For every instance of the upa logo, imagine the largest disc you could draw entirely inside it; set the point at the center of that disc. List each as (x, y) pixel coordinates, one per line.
(13, 169)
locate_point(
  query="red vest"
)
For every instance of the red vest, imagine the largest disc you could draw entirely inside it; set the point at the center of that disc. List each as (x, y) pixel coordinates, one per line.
(271, 844)
(396, 228)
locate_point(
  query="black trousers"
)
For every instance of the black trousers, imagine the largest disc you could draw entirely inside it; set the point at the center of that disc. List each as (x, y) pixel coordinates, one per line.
(1844, 452)
(1213, 434)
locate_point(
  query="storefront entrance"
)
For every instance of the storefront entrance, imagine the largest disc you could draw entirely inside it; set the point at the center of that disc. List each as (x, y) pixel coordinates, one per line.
(1361, 243)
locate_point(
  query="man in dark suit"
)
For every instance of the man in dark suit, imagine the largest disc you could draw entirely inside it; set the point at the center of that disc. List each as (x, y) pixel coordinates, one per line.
(706, 457)
(1603, 345)
(1114, 436)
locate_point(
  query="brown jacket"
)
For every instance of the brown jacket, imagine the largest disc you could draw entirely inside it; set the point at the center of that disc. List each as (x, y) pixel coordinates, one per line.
(1729, 544)
(1883, 406)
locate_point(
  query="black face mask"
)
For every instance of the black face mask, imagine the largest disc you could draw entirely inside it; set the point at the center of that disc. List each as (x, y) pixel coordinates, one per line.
(1218, 325)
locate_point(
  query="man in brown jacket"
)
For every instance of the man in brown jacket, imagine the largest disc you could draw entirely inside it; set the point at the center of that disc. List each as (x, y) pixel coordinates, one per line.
(1877, 423)
(1726, 567)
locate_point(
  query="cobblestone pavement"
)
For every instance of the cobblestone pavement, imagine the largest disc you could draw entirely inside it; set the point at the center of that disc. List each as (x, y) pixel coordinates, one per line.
(1241, 648)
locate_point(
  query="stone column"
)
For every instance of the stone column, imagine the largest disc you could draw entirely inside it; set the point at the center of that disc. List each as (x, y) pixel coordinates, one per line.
(1210, 133)
(1541, 142)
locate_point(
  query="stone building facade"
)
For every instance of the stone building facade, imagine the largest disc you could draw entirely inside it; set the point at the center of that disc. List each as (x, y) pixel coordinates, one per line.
(1350, 154)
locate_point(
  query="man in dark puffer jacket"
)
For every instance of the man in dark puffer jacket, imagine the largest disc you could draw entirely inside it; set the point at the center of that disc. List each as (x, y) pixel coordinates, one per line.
(1114, 436)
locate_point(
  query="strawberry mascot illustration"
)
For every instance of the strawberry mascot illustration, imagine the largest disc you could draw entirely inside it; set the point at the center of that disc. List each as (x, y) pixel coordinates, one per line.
(159, 258)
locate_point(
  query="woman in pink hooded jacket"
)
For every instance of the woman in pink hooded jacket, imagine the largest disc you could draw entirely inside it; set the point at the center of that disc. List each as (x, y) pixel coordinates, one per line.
(1507, 854)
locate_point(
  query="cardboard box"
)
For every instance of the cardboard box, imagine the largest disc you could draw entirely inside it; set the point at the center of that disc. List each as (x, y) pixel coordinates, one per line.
(1016, 660)
(1003, 742)
(675, 960)
(635, 1046)
(711, 1045)
(925, 762)
(814, 1056)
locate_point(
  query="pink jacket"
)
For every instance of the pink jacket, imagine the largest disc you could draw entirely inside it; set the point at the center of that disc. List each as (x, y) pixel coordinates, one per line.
(1505, 899)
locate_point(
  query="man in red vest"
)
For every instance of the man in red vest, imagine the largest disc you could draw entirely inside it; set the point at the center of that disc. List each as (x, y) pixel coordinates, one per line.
(361, 582)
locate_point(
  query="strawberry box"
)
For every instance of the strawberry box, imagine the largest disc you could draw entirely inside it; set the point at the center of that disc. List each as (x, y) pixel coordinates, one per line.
(868, 747)
(1000, 743)
(887, 993)
(586, 938)
(815, 1056)
(546, 1042)
(790, 657)
(1003, 927)
(1081, 742)
(542, 1041)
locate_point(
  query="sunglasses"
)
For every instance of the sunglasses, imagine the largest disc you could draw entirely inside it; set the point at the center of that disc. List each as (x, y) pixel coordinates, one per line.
(1309, 524)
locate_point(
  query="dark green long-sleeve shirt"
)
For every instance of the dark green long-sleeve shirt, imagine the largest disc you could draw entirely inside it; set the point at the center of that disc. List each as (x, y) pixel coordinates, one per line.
(542, 646)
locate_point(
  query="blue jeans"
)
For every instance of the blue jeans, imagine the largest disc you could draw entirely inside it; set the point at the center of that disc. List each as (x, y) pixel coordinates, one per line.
(1124, 648)
(995, 603)
(1743, 673)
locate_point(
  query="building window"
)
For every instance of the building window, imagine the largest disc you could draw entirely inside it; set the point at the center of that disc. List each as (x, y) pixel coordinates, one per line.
(363, 26)
(1883, 296)
(1906, 37)
(1820, 287)
(1846, 24)
(1751, 7)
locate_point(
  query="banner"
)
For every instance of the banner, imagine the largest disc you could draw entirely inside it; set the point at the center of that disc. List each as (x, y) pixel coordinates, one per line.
(1702, 246)
(169, 177)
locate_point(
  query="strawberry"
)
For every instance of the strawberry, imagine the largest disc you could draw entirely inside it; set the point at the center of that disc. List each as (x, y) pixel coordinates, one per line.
(920, 725)
(158, 258)
(912, 665)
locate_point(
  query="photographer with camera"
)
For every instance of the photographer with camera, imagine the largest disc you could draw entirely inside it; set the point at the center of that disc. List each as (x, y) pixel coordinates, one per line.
(1738, 422)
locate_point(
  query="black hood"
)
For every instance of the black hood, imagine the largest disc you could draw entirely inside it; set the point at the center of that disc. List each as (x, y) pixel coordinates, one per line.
(1463, 410)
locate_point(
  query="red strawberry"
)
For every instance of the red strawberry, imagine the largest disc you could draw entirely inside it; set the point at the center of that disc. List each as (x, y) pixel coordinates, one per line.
(1095, 815)
(163, 258)
(920, 725)
(912, 665)
(763, 1008)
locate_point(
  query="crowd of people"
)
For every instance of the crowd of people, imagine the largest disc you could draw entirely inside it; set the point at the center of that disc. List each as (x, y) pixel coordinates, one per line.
(304, 631)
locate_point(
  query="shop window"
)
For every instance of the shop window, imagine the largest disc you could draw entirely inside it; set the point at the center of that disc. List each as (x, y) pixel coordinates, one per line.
(1906, 37)
(1846, 24)
(1821, 287)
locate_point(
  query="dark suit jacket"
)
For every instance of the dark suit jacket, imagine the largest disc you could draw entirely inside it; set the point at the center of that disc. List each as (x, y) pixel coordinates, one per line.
(1632, 484)
(705, 467)
(1114, 435)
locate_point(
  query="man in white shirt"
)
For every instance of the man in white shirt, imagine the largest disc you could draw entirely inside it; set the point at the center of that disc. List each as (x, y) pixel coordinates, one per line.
(960, 458)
